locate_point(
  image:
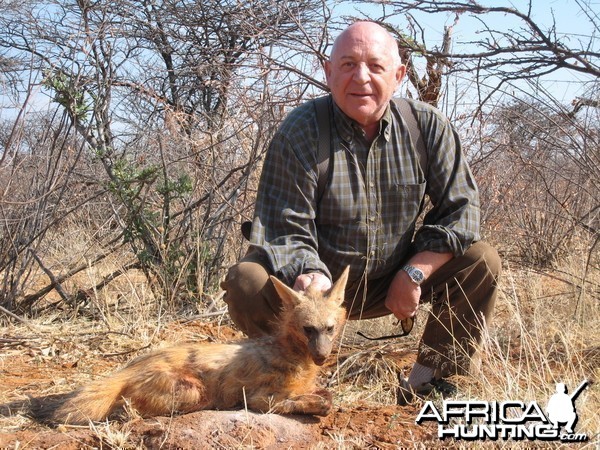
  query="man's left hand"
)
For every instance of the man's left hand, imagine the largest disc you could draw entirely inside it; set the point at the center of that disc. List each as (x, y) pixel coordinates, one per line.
(403, 296)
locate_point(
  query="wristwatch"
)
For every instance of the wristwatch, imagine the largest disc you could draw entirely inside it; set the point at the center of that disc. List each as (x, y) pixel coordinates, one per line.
(416, 275)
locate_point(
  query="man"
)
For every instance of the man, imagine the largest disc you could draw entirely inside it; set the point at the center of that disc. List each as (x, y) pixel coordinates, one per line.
(367, 216)
(561, 408)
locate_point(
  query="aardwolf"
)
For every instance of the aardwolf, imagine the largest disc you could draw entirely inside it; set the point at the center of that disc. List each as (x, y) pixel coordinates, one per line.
(269, 374)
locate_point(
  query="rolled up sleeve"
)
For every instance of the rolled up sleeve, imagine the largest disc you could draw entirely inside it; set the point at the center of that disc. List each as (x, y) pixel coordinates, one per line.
(284, 229)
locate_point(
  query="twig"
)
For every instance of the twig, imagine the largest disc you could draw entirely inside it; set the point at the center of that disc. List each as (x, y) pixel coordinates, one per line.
(18, 318)
(55, 282)
(126, 352)
(30, 299)
(219, 312)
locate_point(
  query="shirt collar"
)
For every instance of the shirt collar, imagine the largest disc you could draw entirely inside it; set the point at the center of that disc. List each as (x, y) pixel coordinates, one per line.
(347, 128)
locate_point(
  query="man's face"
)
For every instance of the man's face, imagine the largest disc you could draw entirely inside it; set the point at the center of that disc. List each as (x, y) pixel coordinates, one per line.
(363, 73)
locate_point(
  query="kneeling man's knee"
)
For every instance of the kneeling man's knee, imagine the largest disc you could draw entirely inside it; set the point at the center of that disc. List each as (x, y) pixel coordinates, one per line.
(250, 297)
(485, 258)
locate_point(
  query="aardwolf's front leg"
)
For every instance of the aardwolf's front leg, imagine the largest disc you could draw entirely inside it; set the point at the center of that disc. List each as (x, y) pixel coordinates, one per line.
(318, 403)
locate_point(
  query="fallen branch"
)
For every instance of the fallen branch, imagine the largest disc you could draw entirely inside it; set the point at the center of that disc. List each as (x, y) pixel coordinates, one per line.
(25, 322)
(55, 282)
(30, 299)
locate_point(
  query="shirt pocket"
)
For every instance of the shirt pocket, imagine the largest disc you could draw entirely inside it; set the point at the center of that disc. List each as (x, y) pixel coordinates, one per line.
(401, 205)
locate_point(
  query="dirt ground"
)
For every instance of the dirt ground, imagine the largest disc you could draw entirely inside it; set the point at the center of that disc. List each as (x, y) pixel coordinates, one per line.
(30, 366)
(354, 427)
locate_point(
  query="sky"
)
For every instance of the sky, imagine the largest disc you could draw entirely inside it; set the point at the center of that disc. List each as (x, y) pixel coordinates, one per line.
(571, 25)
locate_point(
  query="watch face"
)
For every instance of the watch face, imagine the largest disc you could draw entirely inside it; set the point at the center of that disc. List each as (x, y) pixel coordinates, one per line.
(417, 275)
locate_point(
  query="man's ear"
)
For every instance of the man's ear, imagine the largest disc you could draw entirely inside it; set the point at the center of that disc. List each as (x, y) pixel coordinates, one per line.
(337, 292)
(327, 69)
(288, 296)
(400, 73)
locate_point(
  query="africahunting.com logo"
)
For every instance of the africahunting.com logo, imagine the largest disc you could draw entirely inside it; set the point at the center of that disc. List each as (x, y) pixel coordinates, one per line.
(516, 420)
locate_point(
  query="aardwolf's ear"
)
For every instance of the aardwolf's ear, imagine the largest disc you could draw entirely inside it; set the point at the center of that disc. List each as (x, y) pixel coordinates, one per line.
(288, 296)
(337, 291)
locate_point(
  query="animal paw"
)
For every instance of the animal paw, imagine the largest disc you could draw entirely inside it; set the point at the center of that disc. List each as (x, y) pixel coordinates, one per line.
(323, 402)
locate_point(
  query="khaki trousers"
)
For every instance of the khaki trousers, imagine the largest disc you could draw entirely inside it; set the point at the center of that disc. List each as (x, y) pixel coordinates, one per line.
(462, 294)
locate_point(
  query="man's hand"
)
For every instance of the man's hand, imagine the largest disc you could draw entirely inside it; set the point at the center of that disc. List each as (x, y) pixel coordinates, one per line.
(315, 279)
(403, 296)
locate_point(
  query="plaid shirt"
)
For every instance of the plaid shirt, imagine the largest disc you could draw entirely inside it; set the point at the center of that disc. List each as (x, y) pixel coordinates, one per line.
(368, 213)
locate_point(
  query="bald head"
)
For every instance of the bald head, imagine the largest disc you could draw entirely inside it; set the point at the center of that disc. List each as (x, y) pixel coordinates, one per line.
(363, 73)
(369, 33)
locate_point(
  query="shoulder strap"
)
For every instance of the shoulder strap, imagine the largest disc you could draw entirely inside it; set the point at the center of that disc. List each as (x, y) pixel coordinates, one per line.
(324, 145)
(410, 117)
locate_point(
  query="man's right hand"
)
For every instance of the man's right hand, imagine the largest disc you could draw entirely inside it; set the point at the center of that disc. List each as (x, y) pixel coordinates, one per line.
(315, 279)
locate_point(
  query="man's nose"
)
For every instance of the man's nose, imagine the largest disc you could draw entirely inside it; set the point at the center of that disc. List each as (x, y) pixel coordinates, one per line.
(361, 73)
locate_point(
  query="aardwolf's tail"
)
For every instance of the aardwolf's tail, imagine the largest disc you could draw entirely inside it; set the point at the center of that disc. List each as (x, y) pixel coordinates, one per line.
(94, 402)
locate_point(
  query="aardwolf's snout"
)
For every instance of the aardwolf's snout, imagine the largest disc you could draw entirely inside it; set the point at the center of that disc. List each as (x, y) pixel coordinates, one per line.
(320, 347)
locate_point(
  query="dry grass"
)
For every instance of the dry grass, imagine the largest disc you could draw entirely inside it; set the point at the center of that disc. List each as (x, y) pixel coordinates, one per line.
(545, 331)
